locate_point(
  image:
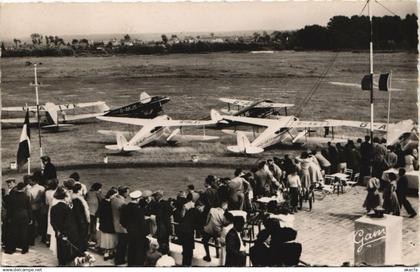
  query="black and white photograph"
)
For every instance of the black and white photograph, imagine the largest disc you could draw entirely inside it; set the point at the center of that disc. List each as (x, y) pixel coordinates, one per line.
(209, 134)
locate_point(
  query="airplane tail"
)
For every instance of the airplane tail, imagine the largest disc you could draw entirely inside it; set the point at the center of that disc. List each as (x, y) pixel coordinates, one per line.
(145, 98)
(244, 145)
(122, 144)
(215, 116)
(52, 112)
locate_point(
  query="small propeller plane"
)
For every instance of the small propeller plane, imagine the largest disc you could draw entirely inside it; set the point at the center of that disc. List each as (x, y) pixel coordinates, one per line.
(260, 108)
(152, 130)
(53, 116)
(147, 107)
(291, 129)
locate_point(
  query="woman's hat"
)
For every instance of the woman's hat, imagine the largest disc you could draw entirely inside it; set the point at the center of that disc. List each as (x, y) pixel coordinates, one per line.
(135, 194)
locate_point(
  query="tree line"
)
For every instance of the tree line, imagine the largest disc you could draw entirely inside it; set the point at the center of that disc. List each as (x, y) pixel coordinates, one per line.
(341, 33)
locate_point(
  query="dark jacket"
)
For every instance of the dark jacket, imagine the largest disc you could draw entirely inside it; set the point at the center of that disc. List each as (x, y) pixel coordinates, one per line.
(18, 208)
(106, 222)
(402, 186)
(49, 172)
(234, 257)
(79, 215)
(132, 219)
(163, 212)
(192, 220)
(260, 255)
(64, 225)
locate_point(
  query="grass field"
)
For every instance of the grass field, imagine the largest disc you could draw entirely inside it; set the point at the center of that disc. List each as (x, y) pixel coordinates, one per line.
(194, 82)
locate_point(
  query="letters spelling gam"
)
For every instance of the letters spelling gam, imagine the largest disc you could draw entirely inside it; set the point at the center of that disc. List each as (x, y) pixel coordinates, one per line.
(363, 239)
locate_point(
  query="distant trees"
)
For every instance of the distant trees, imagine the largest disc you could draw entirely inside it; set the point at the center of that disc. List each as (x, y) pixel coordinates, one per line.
(341, 32)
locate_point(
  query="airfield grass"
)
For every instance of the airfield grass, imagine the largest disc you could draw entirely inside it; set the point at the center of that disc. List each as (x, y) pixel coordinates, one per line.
(194, 82)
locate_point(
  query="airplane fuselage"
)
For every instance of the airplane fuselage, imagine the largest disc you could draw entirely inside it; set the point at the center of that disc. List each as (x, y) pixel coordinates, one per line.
(140, 110)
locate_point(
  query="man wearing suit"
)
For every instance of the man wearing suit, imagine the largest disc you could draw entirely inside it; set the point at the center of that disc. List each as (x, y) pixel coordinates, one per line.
(49, 171)
(163, 213)
(260, 253)
(402, 187)
(132, 219)
(18, 218)
(235, 249)
(116, 203)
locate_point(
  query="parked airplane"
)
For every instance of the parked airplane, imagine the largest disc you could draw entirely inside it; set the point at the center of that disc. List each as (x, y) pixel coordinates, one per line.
(291, 129)
(55, 116)
(260, 108)
(147, 107)
(152, 130)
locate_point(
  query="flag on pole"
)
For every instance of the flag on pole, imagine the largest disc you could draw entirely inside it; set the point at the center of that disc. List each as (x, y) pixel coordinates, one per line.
(24, 149)
(367, 82)
(384, 82)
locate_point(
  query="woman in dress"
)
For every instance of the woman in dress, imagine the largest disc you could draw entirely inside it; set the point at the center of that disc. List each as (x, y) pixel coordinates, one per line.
(409, 161)
(81, 216)
(108, 237)
(294, 185)
(65, 227)
(373, 198)
(50, 201)
(391, 205)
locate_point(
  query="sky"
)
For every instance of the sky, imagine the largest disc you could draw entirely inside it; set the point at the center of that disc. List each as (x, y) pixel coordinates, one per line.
(19, 20)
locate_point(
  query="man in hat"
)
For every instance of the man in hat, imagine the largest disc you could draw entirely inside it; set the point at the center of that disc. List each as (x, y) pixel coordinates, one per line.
(163, 212)
(18, 219)
(147, 202)
(132, 219)
(49, 169)
(116, 203)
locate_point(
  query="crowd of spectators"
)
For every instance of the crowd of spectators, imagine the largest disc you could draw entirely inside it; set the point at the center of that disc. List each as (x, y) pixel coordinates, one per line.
(136, 228)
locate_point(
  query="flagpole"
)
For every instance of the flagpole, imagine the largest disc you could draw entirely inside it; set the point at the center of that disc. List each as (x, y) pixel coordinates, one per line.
(37, 113)
(389, 103)
(371, 75)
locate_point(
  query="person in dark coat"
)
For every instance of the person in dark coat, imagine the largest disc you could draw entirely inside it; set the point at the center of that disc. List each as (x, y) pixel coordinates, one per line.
(65, 227)
(210, 197)
(283, 251)
(49, 169)
(288, 165)
(163, 212)
(81, 216)
(191, 221)
(132, 219)
(332, 157)
(235, 249)
(402, 187)
(108, 237)
(18, 219)
(366, 157)
(260, 252)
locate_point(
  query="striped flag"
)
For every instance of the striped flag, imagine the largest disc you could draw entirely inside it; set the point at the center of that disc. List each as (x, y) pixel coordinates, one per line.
(369, 82)
(24, 149)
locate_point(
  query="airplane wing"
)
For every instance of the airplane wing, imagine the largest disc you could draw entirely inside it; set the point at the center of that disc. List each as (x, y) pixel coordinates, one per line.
(71, 106)
(126, 120)
(273, 105)
(80, 116)
(252, 121)
(185, 123)
(18, 120)
(356, 124)
(310, 124)
(156, 123)
(236, 102)
(258, 104)
(24, 108)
